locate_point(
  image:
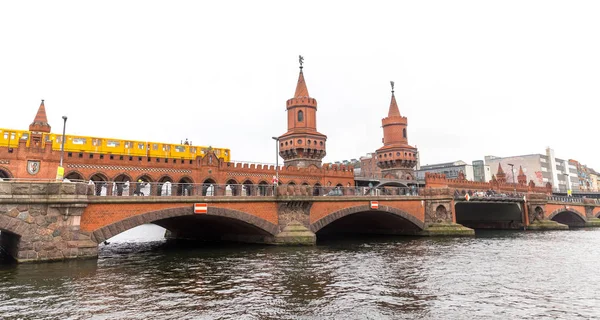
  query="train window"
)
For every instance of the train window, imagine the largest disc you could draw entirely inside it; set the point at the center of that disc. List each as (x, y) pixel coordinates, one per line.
(79, 140)
(59, 139)
(112, 143)
(95, 142)
(180, 148)
(166, 147)
(128, 144)
(193, 149)
(25, 136)
(155, 146)
(141, 146)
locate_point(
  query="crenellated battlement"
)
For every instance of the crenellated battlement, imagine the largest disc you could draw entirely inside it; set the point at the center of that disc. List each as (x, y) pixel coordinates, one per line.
(438, 180)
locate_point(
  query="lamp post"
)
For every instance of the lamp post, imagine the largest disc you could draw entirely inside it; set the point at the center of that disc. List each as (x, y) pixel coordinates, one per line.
(60, 171)
(276, 159)
(512, 168)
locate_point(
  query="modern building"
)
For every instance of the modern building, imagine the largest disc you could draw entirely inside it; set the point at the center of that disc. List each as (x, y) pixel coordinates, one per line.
(450, 169)
(541, 169)
(481, 171)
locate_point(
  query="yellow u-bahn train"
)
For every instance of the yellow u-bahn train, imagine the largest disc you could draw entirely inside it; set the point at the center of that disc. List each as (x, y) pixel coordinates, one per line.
(11, 138)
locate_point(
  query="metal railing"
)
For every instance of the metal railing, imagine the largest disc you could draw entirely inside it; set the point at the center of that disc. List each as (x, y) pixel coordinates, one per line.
(566, 199)
(238, 190)
(490, 194)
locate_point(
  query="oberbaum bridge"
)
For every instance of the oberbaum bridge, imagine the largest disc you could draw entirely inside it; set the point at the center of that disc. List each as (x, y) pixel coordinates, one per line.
(210, 198)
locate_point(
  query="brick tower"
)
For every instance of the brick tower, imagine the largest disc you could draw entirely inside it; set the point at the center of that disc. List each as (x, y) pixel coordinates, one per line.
(302, 146)
(396, 158)
(39, 125)
(500, 175)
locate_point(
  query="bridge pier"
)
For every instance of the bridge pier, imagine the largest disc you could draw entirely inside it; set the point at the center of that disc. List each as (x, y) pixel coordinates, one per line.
(40, 222)
(440, 215)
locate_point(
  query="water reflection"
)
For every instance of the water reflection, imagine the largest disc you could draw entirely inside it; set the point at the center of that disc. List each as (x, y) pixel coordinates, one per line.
(495, 275)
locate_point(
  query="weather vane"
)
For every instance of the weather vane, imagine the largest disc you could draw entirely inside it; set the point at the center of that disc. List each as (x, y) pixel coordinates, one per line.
(392, 83)
(301, 59)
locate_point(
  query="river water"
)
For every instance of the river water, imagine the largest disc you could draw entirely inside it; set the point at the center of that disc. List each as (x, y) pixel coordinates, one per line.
(496, 275)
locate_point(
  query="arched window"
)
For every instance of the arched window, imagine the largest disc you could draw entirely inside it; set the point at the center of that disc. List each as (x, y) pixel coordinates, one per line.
(300, 116)
(404, 132)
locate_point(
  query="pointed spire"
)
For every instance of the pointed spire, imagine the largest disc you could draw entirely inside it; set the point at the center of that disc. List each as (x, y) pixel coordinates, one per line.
(301, 89)
(394, 111)
(40, 122)
(521, 173)
(40, 117)
(500, 171)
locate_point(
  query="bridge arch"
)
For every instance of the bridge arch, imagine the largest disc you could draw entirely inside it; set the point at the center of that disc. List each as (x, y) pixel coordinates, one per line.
(122, 177)
(337, 215)
(570, 217)
(74, 175)
(5, 173)
(162, 217)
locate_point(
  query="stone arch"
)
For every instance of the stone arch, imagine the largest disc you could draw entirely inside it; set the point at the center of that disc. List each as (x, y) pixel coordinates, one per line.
(334, 216)
(5, 173)
(122, 177)
(537, 214)
(209, 187)
(248, 187)
(161, 188)
(72, 175)
(263, 188)
(109, 231)
(571, 212)
(98, 176)
(13, 225)
(317, 189)
(145, 177)
(165, 178)
(232, 187)
(100, 184)
(185, 186)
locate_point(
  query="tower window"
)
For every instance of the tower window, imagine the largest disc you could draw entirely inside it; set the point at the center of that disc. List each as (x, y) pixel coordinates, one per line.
(300, 116)
(404, 132)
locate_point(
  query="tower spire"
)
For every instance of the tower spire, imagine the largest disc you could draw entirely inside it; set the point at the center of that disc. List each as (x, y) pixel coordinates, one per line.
(301, 89)
(394, 111)
(40, 122)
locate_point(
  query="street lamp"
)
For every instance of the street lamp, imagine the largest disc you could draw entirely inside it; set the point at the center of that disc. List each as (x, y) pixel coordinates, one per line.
(61, 170)
(276, 159)
(512, 168)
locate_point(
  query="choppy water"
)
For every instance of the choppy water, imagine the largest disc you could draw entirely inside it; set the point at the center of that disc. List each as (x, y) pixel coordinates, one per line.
(497, 275)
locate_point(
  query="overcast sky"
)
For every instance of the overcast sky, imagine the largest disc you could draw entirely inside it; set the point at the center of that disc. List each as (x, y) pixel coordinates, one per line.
(474, 78)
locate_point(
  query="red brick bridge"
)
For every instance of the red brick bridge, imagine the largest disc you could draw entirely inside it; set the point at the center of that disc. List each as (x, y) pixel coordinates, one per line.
(50, 220)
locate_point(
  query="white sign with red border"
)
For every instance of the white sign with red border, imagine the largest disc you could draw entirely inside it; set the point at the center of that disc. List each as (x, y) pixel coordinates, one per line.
(200, 207)
(374, 205)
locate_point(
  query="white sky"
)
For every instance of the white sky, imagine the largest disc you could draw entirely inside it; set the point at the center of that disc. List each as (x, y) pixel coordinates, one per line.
(474, 78)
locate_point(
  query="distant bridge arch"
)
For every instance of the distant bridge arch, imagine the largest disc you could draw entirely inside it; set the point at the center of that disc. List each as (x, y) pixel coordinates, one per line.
(383, 213)
(568, 216)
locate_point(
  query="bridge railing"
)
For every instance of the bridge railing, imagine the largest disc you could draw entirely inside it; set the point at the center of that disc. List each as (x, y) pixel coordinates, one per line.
(238, 190)
(565, 199)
